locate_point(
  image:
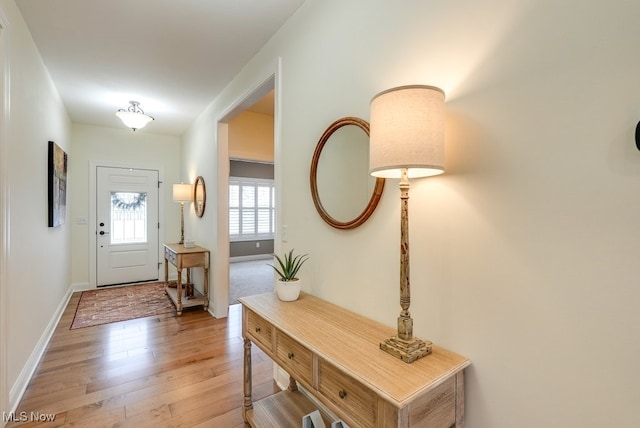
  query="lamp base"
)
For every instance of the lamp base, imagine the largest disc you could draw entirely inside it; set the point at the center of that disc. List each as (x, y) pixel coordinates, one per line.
(407, 351)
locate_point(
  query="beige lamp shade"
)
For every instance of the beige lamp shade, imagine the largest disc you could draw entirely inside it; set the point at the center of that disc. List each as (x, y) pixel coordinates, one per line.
(407, 131)
(182, 192)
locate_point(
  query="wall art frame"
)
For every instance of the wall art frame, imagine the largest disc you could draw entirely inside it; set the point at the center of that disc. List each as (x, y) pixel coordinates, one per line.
(57, 185)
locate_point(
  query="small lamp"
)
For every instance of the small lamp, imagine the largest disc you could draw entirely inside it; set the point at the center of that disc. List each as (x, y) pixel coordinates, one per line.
(182, 193)
(407, 141)
(133, 116)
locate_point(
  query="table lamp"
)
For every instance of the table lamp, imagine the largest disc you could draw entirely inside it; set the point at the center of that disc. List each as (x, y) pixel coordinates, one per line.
(406, 141)
(182, 193)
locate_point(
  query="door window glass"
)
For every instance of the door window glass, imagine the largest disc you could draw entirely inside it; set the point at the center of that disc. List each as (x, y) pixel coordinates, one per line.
(128, 217)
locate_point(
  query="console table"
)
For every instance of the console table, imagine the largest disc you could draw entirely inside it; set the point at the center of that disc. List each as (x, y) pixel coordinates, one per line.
(334, 355)
(186, 258)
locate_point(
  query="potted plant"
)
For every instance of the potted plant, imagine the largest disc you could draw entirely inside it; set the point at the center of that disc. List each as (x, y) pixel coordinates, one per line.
(288, 284)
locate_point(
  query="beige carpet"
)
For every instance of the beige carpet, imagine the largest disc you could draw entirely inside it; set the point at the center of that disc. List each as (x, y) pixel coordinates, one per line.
(249, 278)
(107, 305)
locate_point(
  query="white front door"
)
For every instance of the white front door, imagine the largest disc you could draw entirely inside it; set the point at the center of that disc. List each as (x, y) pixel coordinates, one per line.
(126, 225)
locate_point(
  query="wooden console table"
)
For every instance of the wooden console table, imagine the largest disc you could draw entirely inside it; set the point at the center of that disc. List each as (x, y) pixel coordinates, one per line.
(334, 355)
(186, 258)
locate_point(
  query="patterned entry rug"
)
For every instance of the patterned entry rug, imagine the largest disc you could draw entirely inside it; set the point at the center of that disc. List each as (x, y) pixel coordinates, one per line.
(107, 305)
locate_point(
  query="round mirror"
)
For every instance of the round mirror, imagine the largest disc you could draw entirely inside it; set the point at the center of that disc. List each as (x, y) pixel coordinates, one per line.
(199, 196)
(343, 191)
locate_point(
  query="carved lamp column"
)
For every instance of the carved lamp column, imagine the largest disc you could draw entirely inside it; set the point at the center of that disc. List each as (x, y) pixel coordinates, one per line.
(407, 141)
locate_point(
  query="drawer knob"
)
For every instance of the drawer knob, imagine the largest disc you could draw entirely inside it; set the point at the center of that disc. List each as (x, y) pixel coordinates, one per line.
(290, 355)
(257, 329)
(342, 393)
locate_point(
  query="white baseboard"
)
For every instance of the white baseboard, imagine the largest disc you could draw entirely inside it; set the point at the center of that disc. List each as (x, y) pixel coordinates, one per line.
(249, 258)
(81, 286)
(20, 386)
(281, 377)
(282, 380)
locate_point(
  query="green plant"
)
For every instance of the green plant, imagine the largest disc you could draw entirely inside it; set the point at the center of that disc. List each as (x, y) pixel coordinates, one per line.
(289, 265)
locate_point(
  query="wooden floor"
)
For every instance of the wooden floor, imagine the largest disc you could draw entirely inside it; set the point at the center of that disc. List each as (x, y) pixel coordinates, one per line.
(161, 371)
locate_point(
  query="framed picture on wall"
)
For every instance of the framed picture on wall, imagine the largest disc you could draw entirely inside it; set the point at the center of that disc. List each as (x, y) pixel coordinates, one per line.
(57, 185)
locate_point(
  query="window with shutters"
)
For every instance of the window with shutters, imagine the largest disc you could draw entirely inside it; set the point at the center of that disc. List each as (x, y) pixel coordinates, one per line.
(251, 209)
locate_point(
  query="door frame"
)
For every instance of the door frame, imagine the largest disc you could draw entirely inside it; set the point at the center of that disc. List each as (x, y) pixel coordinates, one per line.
(93, 227)
(271, 80)
(4, 213)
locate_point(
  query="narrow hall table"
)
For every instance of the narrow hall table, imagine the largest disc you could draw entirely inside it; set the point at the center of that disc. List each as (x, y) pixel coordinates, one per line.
(334, 354)
(186, 258)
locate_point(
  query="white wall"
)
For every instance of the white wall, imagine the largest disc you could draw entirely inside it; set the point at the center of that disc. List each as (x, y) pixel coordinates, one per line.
(37, 257)
(200, 158)
(120, 147)
(524, 254)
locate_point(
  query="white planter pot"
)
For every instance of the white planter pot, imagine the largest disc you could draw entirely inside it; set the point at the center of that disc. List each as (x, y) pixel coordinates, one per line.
(288, 291)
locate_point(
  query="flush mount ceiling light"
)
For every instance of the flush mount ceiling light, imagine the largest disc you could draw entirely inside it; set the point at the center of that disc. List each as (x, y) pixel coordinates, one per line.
(134, 117)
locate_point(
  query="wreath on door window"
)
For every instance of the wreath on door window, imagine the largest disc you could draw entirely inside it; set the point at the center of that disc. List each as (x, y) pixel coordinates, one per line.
(128, 201)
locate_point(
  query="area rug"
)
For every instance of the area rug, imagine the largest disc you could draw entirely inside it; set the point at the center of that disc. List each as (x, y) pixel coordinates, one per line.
(107, 305)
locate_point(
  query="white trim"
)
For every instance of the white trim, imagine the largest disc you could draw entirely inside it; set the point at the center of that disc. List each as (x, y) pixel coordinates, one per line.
(248, 160)
(30, 366)
(80, 286)
(271, 79)
(253, 180)
(237, 259)
(247, 238)
(93, 165)
(281, 377)
(219, 292)
(4, 213)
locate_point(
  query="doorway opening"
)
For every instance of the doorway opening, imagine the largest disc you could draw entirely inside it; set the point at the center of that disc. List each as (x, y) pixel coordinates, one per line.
(4, 214)
(238, 141)
(251, 224)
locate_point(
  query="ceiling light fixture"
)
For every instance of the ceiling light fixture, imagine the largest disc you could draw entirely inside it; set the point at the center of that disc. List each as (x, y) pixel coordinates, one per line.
(134, 117)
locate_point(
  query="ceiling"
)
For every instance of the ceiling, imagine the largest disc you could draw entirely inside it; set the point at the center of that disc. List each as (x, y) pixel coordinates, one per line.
(173, 57)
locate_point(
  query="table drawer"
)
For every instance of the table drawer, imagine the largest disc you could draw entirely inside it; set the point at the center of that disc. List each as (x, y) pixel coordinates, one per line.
(357, 401)
(294, 358)
(259, 329)
(170, 256)
(193, 260)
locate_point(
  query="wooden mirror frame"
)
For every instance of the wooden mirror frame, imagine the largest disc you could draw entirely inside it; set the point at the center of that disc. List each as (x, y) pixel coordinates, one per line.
(197, 205)
(377, 190)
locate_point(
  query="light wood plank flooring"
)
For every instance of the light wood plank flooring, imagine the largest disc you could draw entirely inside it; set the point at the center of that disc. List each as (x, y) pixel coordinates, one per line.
(161, 371)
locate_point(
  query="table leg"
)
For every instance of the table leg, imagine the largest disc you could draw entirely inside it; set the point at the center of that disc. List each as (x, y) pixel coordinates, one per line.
(248, 403)
(166, 270)
(293, 385)
(188, 292)
(206, 288)
(179, 290)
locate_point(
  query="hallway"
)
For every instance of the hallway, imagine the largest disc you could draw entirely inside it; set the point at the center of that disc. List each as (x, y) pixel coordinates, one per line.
(158, 371)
